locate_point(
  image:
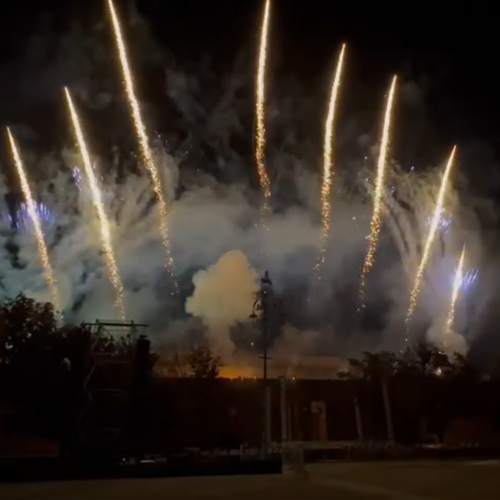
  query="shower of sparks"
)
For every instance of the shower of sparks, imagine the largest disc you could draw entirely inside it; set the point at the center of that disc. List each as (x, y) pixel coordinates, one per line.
(140, 128)
(260, 115)
(469, 279)
(438, 211)
(457, 285)
(106, 240)
(77, 177)
(444, 223)
(379, 189)
(21, 219)
(326, 187)
(50, 277)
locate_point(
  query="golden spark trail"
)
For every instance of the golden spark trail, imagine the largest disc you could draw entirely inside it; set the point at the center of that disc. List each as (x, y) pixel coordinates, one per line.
(99, 208)
(50, 277)
(457, 283)
(430, 240)
(260, 114)
(379, 189)
(140, 129)
(326, 187)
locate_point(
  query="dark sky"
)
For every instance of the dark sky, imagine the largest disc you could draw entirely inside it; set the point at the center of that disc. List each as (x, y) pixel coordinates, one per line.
(451, 53)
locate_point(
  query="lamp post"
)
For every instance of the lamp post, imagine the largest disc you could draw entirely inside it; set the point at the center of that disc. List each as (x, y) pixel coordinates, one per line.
(260, 313)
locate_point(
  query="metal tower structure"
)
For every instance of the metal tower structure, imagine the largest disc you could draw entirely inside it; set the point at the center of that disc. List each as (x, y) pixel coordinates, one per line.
(108, 380)
(261, 312)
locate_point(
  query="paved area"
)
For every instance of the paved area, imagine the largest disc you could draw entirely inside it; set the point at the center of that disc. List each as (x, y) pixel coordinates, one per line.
(341, 481)
(457, 480)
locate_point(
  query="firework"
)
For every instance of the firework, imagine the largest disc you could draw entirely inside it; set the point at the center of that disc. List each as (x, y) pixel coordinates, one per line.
(328, 162)
(443, 225)
(77, 177)
(140, 128)
(379, 189)
(21, 219)
(99, 208)
(430, 240)
(469, 279)
(260, 114)
(407, 203)
(403, 231)
(50, 277)
(457, 285)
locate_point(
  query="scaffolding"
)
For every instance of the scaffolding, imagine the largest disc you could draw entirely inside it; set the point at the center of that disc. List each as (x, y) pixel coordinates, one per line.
(117, 329)
(108, 379)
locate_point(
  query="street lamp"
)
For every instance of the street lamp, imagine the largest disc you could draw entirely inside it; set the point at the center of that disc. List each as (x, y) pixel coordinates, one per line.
(260, 311)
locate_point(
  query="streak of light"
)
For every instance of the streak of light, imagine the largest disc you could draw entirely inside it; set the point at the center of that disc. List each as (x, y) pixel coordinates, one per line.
(457, 284)
(21, 219)
(106, 239)
(43, 252)
(145, 149)
(260, 115)
(379, 189)
(470, 278)
(429, 241)
(326, 187)
(77, 177)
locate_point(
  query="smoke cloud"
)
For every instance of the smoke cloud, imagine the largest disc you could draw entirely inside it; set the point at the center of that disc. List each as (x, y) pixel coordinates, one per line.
(203, 145)
(223, 295)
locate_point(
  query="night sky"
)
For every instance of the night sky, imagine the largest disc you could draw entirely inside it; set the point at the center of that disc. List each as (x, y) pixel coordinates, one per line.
(445, 59)
(446, 56)
(450, 52)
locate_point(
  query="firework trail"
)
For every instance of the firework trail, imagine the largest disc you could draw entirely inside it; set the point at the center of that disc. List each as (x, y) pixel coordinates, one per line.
(405, 227)
(21, 220)
(457, 284)
(107, 244)
(403, 233)
(470, 278)
(326, 187)
(260, 115)
(429, 241)
(379, 190)
(407, 202)
(50, 277)
(140, 129)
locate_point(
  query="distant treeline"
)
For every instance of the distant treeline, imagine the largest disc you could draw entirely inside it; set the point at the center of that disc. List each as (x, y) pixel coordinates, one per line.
(67, 384)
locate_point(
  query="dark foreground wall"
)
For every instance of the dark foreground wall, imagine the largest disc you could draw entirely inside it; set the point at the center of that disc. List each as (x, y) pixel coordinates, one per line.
(43, 469)
(229, 413)
(174, 414)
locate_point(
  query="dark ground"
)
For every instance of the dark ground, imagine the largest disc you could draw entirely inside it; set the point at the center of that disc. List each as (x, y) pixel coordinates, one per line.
(464, 480)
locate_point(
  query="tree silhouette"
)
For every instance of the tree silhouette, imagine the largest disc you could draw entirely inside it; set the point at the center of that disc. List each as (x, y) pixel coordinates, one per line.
(373, 365)
(429, 360)
(30, 337)
(25, 330)
(176, 365)
(203, 363)
(461, 368)
(42, 367)
(419, 362)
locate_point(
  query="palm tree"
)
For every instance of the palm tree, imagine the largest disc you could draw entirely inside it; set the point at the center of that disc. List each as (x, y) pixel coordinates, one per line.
(378, 367)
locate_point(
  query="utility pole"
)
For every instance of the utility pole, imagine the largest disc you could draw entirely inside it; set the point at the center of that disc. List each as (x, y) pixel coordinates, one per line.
(261, 312)
(285, 436)
(359, 421)
(388, 410)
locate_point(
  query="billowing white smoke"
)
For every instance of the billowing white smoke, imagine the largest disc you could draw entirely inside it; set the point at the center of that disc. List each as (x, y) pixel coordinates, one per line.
(224, 295)
(449, 342)
(207, 218)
